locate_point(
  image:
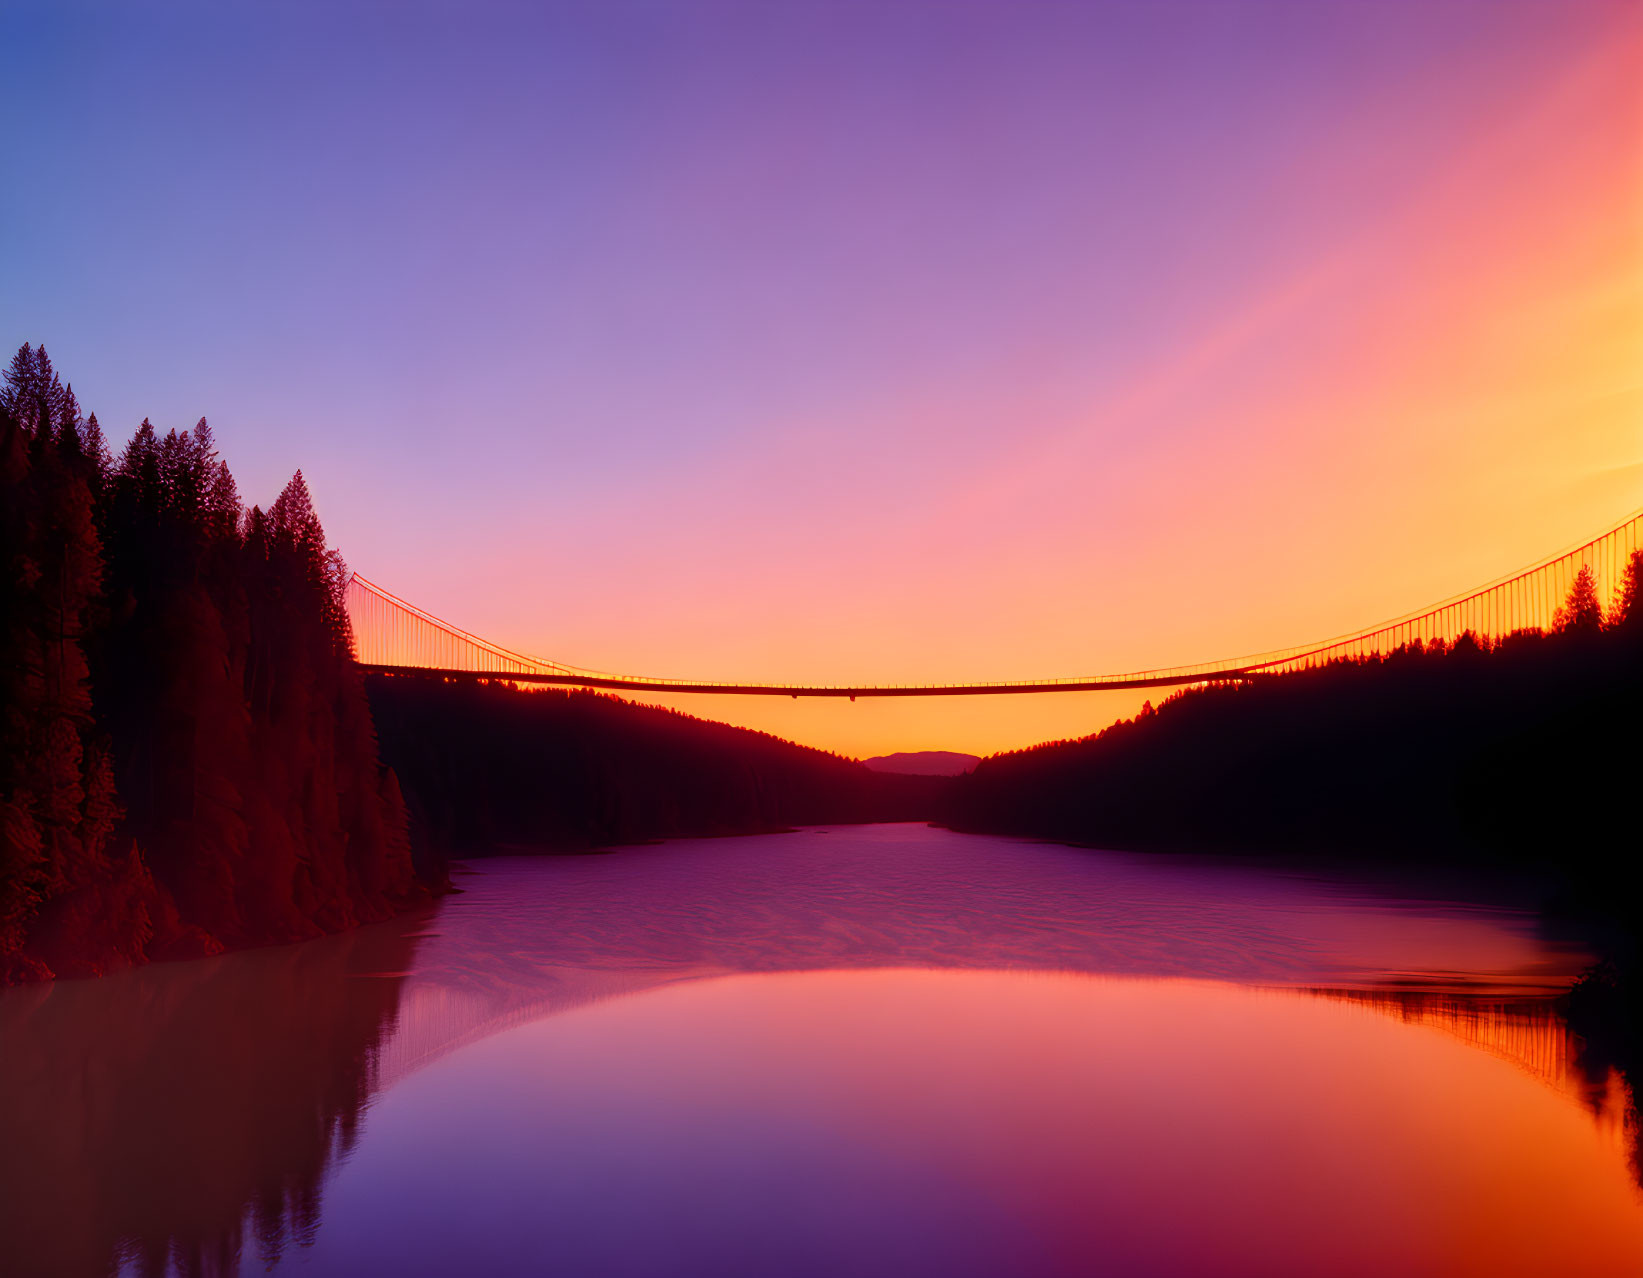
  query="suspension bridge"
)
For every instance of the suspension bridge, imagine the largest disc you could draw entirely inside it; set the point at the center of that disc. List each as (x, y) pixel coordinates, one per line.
(393, 636)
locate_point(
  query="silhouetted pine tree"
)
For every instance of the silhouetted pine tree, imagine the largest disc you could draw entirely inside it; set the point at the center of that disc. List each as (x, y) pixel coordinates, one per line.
(1626, 614)
(158, 645)
(33, 393)
(1463, 751)
(95, 448)
(1582, 612)
(24, 871)
(71, 887)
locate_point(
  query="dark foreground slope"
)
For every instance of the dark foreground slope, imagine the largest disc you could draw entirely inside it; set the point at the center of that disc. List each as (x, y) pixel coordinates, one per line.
(487, 767)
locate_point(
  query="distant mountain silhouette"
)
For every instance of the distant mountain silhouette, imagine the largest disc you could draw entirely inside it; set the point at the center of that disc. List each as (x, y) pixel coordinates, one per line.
(924, 763)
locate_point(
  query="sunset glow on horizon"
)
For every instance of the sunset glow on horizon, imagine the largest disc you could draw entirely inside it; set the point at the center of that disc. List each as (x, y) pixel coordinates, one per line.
(867, 344)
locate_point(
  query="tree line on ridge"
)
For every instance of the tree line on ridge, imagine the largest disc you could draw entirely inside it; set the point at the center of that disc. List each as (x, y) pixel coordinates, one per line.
(187, 758)
(1521, 748)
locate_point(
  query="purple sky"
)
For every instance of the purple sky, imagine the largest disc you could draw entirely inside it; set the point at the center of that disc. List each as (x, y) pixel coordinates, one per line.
(845, 340)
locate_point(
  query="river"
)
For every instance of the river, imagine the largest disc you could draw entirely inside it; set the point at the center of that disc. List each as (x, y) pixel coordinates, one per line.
(863, 1050)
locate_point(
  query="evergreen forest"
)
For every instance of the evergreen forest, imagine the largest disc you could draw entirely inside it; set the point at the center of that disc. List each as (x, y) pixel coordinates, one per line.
(187, 759)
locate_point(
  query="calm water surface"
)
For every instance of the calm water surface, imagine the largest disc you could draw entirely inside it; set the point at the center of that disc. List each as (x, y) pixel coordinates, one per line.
(880, 1050)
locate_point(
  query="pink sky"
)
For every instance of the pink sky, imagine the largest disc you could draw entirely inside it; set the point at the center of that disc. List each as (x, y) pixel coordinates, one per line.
(851, 344)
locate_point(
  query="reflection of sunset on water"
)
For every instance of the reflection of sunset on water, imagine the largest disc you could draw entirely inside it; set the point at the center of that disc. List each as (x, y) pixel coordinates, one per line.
(967, 1122)
(969, 1009)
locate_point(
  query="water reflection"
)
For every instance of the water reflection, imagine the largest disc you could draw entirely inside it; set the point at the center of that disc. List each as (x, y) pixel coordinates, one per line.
(962, 1122)
(868, 895)
(183, 1116)
(1530, 1034)
(538, 935)
(186, 1117)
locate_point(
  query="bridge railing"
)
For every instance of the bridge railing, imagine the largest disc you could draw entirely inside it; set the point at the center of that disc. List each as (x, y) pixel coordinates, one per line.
(1529, 599)
(391, 633)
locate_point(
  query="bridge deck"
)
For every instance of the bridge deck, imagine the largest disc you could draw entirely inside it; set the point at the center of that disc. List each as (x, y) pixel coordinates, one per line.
(572, 680)
(393, 636)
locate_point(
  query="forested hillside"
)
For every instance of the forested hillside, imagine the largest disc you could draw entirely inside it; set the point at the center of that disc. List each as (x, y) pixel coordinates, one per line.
(487, 767)
(187, 760)
(1526, 749)
(1523, 752)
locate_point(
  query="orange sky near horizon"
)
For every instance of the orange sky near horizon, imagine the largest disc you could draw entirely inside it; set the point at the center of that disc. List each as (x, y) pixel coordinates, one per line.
(902, 343)
(1459, 392)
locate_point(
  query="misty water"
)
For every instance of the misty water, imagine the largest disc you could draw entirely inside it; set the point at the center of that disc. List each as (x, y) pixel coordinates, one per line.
(865, 1050)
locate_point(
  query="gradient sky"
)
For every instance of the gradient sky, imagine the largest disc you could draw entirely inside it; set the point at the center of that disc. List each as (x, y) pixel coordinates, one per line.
(879, 342)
